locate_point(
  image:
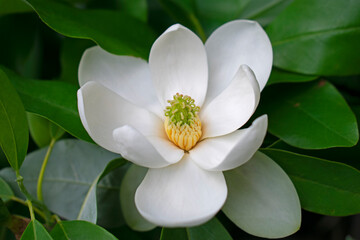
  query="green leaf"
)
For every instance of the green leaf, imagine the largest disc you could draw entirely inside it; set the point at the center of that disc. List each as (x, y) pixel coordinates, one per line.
(309, 115)
(14, 132)
(35, 231)
(21, 49)
(4, 213)
(54, 100)
(114, 31)
(214, 13)
(71, 170)
(135, 8)
(312, 39)
(70, 55)
(279, 76)
(132, 179)
(42, 130)
(212, 230)
(323, 186)
(184, 13)
(262, 200)
(5, 191)
(13, 6)
(88, 210)
(80, 230)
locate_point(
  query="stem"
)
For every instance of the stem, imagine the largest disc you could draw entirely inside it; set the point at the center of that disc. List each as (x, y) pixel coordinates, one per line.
(42, 170)
(38, 211)
(31, 210)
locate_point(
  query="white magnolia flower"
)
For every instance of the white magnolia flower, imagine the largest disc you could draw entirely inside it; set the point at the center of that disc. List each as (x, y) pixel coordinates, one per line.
(179, 115)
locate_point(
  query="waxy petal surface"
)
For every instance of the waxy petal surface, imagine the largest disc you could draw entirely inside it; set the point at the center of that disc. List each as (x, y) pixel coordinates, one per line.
(181, 194)
(232, 150)
(233, 107)
(178, 64)
(233, 44)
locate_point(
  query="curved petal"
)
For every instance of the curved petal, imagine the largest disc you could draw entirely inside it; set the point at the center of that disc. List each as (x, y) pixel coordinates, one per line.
(146, 151)
(178, 64)
(129, 184)
(232, 150)
(233, 107)
(101, 111)
(180, 195)
(127, 76)
(233, 44)
(262, 199)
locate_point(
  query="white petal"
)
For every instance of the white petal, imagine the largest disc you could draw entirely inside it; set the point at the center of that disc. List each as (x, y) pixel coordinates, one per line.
(233, 44)
(129, 184)
(178, 64)
(232, 150)
(146, 151)
(233, 107)
(101, 111)
(125, 75)
(180, 195)
(262, 199)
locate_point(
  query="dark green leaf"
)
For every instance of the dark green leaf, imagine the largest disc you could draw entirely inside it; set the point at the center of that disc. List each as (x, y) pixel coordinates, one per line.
(39, 129)
(88, 210)
(318, 37)
(135, 8)
(53, 100)
(4, 213)
(5, 191)
(114, 31)
(80, 230)
(70, 173)
(212, 230)
(323, 186)
(13, 6)
(14, 132)
(309, 115)
(184, 13)
(214, 13)
(70, 55)
(174, 234)
(35, 231)
(279, 76)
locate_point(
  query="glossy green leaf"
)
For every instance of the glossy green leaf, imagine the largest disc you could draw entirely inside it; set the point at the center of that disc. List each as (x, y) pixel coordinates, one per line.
(262, 200)
(214, 13)
(21, 49)
(71, 170)
(70, 54)
(114, 31)
(4, 213)
(35, 231)
(309, 115)
(54, 100)
(80, 230)
(5, 191)
(88, 210)
(318, 37)
(184, 13)
(42, 130)
(14, 132)
(279, 76)
(212, 230)
(130, 183)
(323, 186)
(135, 8)
(13, 6)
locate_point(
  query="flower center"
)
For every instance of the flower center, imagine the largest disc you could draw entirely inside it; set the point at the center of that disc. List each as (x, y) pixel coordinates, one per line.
(182, 124)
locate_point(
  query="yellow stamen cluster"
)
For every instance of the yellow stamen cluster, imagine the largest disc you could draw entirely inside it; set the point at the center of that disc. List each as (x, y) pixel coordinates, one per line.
(182, 124)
